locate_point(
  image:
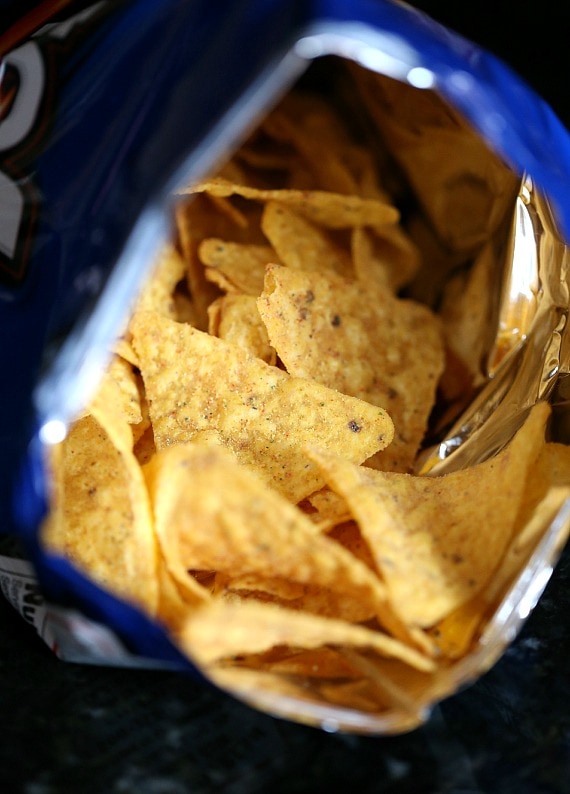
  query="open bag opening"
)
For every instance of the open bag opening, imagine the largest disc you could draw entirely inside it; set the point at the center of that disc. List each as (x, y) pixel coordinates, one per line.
(322, 446)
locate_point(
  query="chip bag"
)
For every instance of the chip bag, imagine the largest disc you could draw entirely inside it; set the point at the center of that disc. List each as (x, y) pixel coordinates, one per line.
(284, 398)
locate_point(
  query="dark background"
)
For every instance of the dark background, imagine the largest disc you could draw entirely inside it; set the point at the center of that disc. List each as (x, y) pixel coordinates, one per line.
(71, 728)
(532, 37)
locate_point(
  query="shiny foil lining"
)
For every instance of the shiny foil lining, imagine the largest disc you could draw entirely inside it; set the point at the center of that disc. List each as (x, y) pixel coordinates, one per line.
(529, 356)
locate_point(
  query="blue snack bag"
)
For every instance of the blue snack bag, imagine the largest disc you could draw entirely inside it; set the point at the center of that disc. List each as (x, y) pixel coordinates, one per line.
(108, 114)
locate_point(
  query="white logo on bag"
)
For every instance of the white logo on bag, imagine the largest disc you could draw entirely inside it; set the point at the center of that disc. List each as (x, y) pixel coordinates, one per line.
(23, 82)
(28, 63)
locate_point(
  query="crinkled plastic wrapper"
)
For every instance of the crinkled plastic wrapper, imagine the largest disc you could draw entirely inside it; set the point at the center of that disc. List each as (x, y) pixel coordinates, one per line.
(490, 223)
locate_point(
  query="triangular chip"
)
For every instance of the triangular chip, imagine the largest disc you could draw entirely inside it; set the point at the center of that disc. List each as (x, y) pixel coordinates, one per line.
(300, 243)
(168, 269)
(331, 210)
(200, 218)
(100, 517)
(384, 256)
(438, 540)
(462, 186)
(177, 599)
(319, 136)
(219, 630)
(236, 319)
(547, 489)
(196, 382)
(361, 341)
(212, 513)
(315, 663)
(118, 390)
(237, 267)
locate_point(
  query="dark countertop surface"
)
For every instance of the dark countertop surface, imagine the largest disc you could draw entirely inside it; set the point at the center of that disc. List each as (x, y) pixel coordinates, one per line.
(66, 727)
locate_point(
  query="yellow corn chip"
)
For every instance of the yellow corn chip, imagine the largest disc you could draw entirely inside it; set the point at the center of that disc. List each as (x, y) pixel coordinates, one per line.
(462, 186)
(384, 256)
(327, 153)
(315, 663)
(262, 689)
(119, 388)
(438, 540)
(326, 508)
(236, 319)
(466, 312)
(300, 243)
(176, 598)
(237, 267)
(220, 630)
(358, 340)
(124, 349)
(263, 585)
(213, 514)
(197, 219)
(157, 292)
(331, 210)
(196, 382)
(311, 127)
(100, 517)
(547, 487)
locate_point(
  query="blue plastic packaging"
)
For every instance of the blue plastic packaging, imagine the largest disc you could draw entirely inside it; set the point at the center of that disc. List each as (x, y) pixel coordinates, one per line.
(104, 113)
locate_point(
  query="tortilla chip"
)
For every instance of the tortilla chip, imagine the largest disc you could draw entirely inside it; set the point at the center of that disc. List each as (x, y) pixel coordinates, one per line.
(462, 186)
(301, 244)
(311, 127)
(196, 220)
(212, 513)
(325, 508)
(455, 634)
(157, 292)
(357, 339)
(438, 540)
(196, 382)
(100, 517)
(467, 314)
(348, 534)
(237, 267)
(236, 319)
(314, 663)
(221, 630)
(263, 586)
(177, 599)
(384, 256)
(123, 348)
(330, 210)
(119, 388)
(525, 541)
